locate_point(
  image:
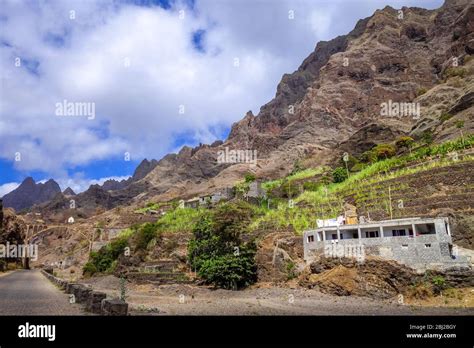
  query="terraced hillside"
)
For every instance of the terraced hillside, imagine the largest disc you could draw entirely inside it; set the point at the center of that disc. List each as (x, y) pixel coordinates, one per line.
(404, 186)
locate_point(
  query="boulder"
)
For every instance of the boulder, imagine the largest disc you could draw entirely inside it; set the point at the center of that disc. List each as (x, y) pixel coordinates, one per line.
(114, 307)
(94, 302)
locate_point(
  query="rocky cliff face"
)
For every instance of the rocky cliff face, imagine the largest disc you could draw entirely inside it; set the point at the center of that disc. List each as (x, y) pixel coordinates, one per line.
(69, 192)
(333, 102)
(98, 197)
(30, 193)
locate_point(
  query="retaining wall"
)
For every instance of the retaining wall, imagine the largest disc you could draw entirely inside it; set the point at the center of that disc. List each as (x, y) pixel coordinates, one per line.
(94, 301)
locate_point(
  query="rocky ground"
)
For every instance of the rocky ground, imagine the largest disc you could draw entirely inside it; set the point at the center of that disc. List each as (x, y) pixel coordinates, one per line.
(267, 299)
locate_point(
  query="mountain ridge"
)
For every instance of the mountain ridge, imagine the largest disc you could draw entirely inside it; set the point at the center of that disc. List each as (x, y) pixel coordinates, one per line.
(330, 104)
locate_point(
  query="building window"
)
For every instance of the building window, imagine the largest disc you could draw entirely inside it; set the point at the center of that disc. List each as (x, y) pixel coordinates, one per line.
(310, 239)
(334, 236)
(371, 234)
(397, 233)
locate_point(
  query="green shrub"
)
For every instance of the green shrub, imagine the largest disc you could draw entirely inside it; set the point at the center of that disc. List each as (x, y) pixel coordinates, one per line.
(103, 260)
(384, 151)
(445, 116)
(145, 234)
(427, 137)
(454, 71)
(249, 177)
(231, 271)
(368, 157)
(290, 189)
(179, 220)
(404, 142)
(123, 289)
(339, 174)
(351, 162)
(291, 270)
(217, 251)
(358, 167)
(439, 284)
(311, 186)
(297, 167)
(89, 269)
(421, 91)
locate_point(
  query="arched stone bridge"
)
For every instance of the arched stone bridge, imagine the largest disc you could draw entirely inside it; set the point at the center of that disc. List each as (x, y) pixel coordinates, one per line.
(33, 232)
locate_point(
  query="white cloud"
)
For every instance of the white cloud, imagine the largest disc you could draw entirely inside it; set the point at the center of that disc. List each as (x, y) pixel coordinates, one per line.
(7, 188)
(137, 105)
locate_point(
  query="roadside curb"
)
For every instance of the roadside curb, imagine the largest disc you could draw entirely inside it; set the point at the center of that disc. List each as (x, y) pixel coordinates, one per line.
(96, 302)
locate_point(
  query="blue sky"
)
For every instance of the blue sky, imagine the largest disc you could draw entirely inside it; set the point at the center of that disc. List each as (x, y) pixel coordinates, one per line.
(160, 74)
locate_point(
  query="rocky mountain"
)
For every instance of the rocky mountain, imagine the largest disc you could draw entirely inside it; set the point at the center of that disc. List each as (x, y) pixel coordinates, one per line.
(143, 169)
(411, 57)
(98, 197)
(140, 172)
(333, 103)
(30, 193)
(69, 192)
(112, 185)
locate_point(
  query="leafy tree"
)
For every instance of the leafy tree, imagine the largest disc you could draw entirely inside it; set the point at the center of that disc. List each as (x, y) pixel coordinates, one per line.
(231, 271)
(103, 260)
(339, 174)
(217, 251)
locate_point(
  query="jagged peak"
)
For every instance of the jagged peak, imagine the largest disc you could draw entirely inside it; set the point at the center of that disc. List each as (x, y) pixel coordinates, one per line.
(29, 180)
(69, 192)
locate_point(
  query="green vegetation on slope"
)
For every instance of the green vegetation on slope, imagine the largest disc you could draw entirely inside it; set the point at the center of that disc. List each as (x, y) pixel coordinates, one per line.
(326, 201)
(217, 251)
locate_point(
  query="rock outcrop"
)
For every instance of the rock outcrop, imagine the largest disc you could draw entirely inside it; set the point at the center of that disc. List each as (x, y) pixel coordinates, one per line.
(30, 193)
(332, 103)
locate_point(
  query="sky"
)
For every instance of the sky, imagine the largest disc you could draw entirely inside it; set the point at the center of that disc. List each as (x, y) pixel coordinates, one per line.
(89, 88)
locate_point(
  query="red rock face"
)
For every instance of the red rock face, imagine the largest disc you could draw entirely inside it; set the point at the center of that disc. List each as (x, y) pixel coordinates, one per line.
(334, 99)
(333, 102)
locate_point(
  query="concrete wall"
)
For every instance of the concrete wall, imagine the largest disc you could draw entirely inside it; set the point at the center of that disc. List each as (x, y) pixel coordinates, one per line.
(421, 251)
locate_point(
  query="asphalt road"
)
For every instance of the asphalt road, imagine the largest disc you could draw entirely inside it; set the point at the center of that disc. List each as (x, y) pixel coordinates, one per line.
(28, 292)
